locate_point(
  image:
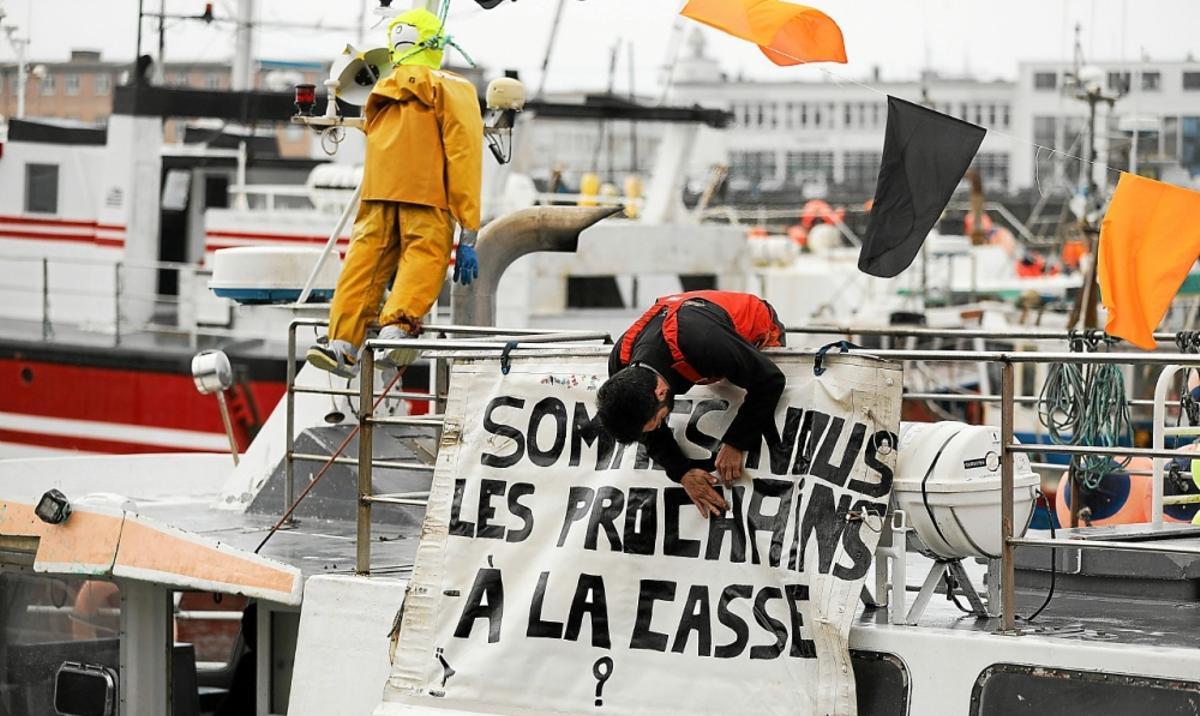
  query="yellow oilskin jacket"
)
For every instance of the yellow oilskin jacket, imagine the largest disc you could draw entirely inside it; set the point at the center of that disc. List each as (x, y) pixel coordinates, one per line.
(425, 142)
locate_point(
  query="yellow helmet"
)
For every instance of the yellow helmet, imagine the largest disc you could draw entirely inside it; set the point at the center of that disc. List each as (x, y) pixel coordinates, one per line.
(415, 38)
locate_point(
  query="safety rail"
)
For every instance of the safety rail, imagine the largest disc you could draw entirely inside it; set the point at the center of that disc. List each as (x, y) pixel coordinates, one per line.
(440, 348)
(1009, 448)
(35, 295)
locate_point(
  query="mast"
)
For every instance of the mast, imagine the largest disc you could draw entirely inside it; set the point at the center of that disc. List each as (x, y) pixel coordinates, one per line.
(243, 47)
(549, 49)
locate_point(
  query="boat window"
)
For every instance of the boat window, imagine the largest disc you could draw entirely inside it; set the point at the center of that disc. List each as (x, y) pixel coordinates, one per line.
(41, 188)
(212, 623)
(46, 621)
(1021, 688)
(881, 683)
(593, 292)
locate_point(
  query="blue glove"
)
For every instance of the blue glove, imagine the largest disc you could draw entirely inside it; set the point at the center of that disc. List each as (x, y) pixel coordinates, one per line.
(466, 265)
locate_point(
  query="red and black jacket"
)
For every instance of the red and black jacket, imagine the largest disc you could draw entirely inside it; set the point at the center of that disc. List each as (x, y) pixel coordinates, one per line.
(703, 337)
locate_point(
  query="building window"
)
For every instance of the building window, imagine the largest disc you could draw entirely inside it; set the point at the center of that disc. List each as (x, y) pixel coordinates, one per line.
(876, 113)
(41, 188)
(1045, 80)
(1170, 138)
(1191, 80)
(1189, 149)
(211, 81)
(809, 168)
(1118, 81)
(71, 84)
(1045, 131)
(861, 170)
(1151, 81)
(751, 168)
(103, 84)
(48, 86)
(1004, 116)
(847, 119)
(803, 115)
(993, 170)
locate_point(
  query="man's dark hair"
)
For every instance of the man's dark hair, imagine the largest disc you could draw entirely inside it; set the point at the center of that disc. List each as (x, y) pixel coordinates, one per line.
(626, 402)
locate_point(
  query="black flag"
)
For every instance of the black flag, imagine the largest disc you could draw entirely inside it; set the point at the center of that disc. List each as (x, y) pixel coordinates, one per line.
(925, 154)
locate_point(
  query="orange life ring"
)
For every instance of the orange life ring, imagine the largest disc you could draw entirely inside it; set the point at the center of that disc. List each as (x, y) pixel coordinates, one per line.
(818, 209)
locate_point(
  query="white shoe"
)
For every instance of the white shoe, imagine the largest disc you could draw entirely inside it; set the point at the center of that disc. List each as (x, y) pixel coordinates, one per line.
(337, 357)
(396, 357)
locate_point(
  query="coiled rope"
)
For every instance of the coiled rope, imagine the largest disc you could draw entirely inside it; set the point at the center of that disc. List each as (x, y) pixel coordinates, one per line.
(1085, 404)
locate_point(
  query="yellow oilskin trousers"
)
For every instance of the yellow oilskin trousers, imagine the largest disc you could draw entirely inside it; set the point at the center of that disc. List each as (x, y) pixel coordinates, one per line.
(410, 240)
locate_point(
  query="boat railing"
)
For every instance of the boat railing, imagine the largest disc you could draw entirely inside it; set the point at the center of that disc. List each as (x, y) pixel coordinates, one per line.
(115, 298)
(443, 343)
(485, 340)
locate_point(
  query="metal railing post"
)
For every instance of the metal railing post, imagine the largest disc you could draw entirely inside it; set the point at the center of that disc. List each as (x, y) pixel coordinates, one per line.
(117, 303)
(289, 464)
(45, 299)
(1007, 567)
(366, 393)
(1159, 442)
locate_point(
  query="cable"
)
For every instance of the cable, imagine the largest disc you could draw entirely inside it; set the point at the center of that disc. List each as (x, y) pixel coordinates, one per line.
(1053, 560)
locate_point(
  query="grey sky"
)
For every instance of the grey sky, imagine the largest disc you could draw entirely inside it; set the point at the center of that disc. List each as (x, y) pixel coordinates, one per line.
(900, 36)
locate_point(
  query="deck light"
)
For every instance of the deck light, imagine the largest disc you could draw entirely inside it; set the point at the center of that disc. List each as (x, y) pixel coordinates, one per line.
(53, 508)
(306, 97)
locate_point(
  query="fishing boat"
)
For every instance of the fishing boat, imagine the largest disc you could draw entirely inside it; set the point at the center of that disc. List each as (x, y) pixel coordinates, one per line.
(492, 553)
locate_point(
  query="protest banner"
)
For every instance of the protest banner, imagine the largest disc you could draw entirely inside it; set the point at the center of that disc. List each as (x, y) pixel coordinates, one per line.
(559, 572)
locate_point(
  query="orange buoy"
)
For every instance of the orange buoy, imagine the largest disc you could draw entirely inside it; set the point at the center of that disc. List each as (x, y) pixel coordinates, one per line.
(1121, 498)
(1073, 251)
(798, 234)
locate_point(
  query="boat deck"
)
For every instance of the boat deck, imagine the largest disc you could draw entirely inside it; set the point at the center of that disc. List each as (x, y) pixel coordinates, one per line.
(1146, 620)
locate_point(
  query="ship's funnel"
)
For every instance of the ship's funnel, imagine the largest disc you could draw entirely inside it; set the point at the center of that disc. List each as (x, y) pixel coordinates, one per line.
(541, 228)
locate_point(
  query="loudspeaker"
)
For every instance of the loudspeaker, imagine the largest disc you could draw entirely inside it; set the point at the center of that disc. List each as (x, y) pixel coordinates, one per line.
(357, 72)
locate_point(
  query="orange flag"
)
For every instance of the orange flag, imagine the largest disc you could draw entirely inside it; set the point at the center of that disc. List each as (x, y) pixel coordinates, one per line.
(1149, 240)
(788, 34)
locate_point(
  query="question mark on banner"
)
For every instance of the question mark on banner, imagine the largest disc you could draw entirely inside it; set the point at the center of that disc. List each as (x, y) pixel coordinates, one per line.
(602, 669)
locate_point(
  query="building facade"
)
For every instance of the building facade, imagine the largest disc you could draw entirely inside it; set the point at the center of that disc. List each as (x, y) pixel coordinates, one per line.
(81, 88)
(826, 137)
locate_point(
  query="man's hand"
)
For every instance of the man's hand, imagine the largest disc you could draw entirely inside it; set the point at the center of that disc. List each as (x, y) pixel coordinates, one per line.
(699, 486)
(729, 463)
(466, 265)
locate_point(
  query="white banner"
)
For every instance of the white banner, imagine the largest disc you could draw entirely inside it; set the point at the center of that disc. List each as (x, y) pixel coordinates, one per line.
(558, 573)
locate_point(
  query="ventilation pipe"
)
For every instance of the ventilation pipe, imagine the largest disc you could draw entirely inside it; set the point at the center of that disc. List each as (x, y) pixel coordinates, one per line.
(541, 228)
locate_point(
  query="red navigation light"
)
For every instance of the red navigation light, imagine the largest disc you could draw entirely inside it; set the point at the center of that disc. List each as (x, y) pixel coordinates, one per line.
(306, 97)
(207, 15)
